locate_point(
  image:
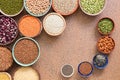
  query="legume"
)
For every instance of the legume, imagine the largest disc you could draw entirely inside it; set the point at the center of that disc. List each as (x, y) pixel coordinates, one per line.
(92, 6)
(37, 6)
(8, 30)
(11, 7)
(105, 44)
(105, 25)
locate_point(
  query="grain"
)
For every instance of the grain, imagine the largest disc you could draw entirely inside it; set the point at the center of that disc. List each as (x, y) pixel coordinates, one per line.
(26, 73)
(5, 76)
(85, 68)
(65, 7)
(54, 24)
(11, 7)
(26, 51)
(92, 6)
(8, 30)
(105, 25)
(67, 70)
(37, 6)
(30, 26)
(105, 44)
(6, 59)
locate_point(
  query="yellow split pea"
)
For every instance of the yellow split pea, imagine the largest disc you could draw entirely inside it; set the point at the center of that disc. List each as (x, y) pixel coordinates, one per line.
(5, 76)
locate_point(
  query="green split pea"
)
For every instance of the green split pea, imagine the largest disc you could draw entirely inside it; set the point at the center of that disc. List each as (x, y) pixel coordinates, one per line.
(11, 7)
(92, 6)
(105, 25)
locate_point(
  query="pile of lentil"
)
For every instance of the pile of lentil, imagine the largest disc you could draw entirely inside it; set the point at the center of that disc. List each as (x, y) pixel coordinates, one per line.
(26, 51)
(92, 6)
(105, 25)
(8, 30)
(11, 7)
(37, 6)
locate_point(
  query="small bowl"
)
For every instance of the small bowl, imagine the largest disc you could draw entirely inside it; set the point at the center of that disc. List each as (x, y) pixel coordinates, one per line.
(16, 32)
(8, 62)
(26, 73)
(98, 44)
(103, 66)
(41, 14)
(88, 75)
(50, 33)
(38, 21)
(62, 13)
(22, 64)
(112, 28)
(67, 76)
(13, 14)
(7, 74)
(95, 13)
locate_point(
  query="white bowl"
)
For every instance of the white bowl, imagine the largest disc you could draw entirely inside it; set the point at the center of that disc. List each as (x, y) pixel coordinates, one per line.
(95, 13)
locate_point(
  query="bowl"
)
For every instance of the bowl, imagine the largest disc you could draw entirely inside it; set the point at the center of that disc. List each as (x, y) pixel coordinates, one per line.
(103, 63)
(94, 14)
(59, 5)
(30, 22)
(50, 21)
(33, 62)
(67, 67)
(13, 14)
(108, 33)
(105, 45)
(6, 75)
(39, 15)
(7, 42)
(89, 65)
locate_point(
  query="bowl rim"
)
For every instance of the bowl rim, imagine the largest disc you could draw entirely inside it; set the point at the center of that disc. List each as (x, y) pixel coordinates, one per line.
(41, 14)
(105, 63)
(101, 31)
(27, 15)
(64, 74)
(6, 73)
(95, 13)
(102, 51)
(54, 34)
(72, 11)
(16, 32)
(88, 75)
(13, 14)
(29, 64)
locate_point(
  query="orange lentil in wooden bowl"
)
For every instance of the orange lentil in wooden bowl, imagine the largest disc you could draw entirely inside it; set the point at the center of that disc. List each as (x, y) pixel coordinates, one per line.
(30, 26)
(105, 45)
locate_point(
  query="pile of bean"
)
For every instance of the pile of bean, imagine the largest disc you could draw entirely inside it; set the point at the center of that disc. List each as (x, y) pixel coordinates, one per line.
(8, 30)
(37, 6)
(106, 44)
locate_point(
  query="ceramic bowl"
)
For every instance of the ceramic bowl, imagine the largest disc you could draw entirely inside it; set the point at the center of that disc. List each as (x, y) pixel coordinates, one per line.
(34, 60)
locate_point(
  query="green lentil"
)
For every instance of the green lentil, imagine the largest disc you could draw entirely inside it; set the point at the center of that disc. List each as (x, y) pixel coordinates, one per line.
(11, 7)
(105, 26)
(92, 6)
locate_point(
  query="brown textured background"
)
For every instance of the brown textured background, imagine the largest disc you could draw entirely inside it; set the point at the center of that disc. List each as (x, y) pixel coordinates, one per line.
(77, 44)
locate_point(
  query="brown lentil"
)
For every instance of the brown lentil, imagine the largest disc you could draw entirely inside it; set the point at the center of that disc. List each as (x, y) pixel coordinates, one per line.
(26, 51)
(105, 44)
(6, 59)
(85, 68)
